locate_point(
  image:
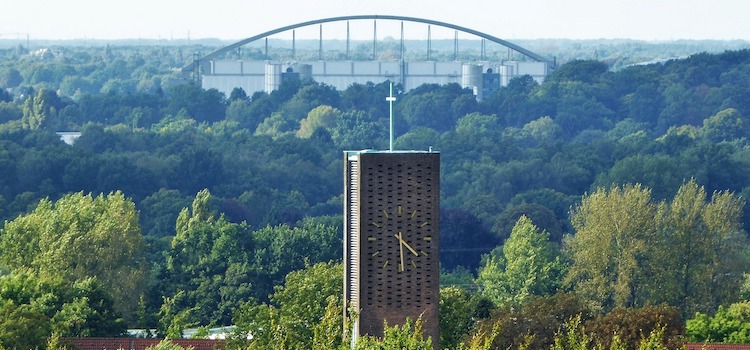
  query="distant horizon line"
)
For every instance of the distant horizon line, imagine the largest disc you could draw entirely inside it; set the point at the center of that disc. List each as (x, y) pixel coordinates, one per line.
(387, 38)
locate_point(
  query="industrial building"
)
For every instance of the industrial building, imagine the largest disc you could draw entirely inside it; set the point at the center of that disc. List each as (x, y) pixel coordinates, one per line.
(483, 77)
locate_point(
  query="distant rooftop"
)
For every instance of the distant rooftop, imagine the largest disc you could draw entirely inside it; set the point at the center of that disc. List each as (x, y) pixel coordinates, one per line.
(69, 137)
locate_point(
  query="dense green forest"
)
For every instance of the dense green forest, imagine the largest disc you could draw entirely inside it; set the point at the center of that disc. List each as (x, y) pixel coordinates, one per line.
(610, 199)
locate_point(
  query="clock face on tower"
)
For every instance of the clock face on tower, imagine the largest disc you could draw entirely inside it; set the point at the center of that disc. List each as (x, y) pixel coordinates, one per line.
(392, 239)
(402, 239)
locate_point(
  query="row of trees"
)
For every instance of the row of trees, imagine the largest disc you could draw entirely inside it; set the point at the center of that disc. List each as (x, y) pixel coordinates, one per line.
(77, 267)
(272, 164)
(628, 252)
(532, 295)
(506, 157)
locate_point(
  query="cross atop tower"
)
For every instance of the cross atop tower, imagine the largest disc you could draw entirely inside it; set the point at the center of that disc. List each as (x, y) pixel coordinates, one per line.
(390, 100)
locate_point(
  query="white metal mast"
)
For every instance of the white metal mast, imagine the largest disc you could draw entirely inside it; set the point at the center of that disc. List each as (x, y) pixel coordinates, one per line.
(390, 100)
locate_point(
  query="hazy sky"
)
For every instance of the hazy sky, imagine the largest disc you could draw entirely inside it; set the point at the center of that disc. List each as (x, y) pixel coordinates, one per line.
(233, 19)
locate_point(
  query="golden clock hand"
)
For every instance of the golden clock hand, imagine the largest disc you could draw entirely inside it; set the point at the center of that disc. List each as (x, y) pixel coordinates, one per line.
(401, 239)
(401, 249)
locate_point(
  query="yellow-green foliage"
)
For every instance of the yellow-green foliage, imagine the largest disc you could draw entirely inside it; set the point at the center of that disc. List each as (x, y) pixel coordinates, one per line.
(406, 337)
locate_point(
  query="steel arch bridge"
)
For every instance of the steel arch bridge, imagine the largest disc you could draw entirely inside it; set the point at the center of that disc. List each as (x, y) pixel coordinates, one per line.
(228, 48)
(482, 76)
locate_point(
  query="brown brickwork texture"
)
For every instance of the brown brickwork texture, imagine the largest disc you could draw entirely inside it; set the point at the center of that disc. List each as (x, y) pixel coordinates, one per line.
(399, 195)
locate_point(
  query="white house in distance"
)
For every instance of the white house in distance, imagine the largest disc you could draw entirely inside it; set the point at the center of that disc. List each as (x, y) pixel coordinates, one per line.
(69, 137)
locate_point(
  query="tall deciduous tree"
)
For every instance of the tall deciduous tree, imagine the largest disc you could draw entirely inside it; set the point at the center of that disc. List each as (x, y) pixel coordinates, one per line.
(36, 111)
(630, 251)
(207, 260)
(299, 316)
(613, 229)
(701, 249)
(78, 237)
(529, 266)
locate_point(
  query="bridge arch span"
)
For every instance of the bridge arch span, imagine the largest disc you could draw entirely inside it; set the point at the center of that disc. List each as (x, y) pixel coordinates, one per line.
(486, 36)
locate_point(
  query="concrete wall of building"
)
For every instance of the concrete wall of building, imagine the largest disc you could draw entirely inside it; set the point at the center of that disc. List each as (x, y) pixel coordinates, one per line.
(254, 76)
(227, 83)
